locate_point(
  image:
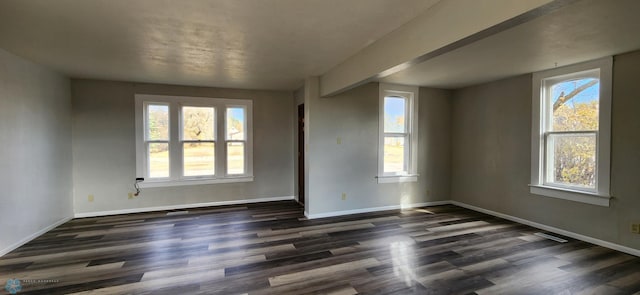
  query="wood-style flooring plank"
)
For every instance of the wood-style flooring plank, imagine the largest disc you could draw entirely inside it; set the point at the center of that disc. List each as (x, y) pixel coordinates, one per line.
(270, 248)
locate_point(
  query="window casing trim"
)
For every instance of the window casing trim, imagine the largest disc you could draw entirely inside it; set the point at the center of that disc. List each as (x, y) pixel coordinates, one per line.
(175, 103)
(571, 195)
(600, 195)
(410, 93)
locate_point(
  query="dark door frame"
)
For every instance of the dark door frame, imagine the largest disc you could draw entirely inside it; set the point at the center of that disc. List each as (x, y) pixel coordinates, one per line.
(301, 154)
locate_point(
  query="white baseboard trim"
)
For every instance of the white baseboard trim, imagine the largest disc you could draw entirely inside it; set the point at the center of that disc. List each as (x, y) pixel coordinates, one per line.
(182, 206)
(374, 209)
(563, 232)
(33, 236)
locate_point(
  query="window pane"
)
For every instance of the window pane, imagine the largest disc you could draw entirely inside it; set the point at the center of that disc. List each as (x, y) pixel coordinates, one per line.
(394, 154)
(158, 160)
(198, 158)
(394, 114)
(198, 123)
(236, 124)
(158, 122)
(235, 158)
(575, 105)
(572, 159)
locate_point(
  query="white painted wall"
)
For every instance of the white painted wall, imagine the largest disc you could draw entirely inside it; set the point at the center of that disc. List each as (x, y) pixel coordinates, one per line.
(104, 148)
(351, 167)
(492, 155)
(35, 154)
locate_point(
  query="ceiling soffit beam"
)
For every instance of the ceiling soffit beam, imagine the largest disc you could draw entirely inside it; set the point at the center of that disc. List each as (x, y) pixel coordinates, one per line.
(446, 26)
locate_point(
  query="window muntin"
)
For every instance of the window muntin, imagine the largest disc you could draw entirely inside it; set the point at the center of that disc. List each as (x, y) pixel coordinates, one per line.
(570, 127)
(398, 134)
(571, 132)
(177, 140)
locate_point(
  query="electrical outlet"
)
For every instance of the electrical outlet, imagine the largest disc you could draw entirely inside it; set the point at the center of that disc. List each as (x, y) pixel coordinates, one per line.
(428, 192)
(344, 196)
(130, 196)
(635, 228)
(339, 140)
(90, 198)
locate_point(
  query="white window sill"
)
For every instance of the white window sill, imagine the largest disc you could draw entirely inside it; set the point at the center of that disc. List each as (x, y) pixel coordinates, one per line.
(185, 182)
(571, 195)
(397, 178)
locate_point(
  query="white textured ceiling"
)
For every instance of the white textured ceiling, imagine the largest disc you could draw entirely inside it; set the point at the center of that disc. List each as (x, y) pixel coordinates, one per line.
(260, 44)
(584, 30)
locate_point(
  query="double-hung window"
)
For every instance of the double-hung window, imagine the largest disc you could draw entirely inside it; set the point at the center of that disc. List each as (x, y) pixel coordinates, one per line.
(193, 140)
(197, 141)
(571, 132)
(398, 138)
(236, 140)
(156, 139)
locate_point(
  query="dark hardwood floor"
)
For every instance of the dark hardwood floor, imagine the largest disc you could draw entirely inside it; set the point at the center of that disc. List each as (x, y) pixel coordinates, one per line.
(269, 248)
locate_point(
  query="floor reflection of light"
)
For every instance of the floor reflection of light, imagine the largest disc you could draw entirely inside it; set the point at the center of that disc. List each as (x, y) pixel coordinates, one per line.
(160, 251)
(402, 254)
(405, 202)
(424, 211)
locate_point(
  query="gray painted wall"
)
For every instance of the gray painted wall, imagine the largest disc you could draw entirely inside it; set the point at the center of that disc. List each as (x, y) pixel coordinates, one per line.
(351, 167)
(35, 154)
(104, 147)
(491, 148)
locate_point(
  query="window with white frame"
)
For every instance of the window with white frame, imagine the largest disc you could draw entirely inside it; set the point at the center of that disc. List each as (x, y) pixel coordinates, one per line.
(236, 139)
(193, 140)
(197, 141)
(398, 134)
(571, 132)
